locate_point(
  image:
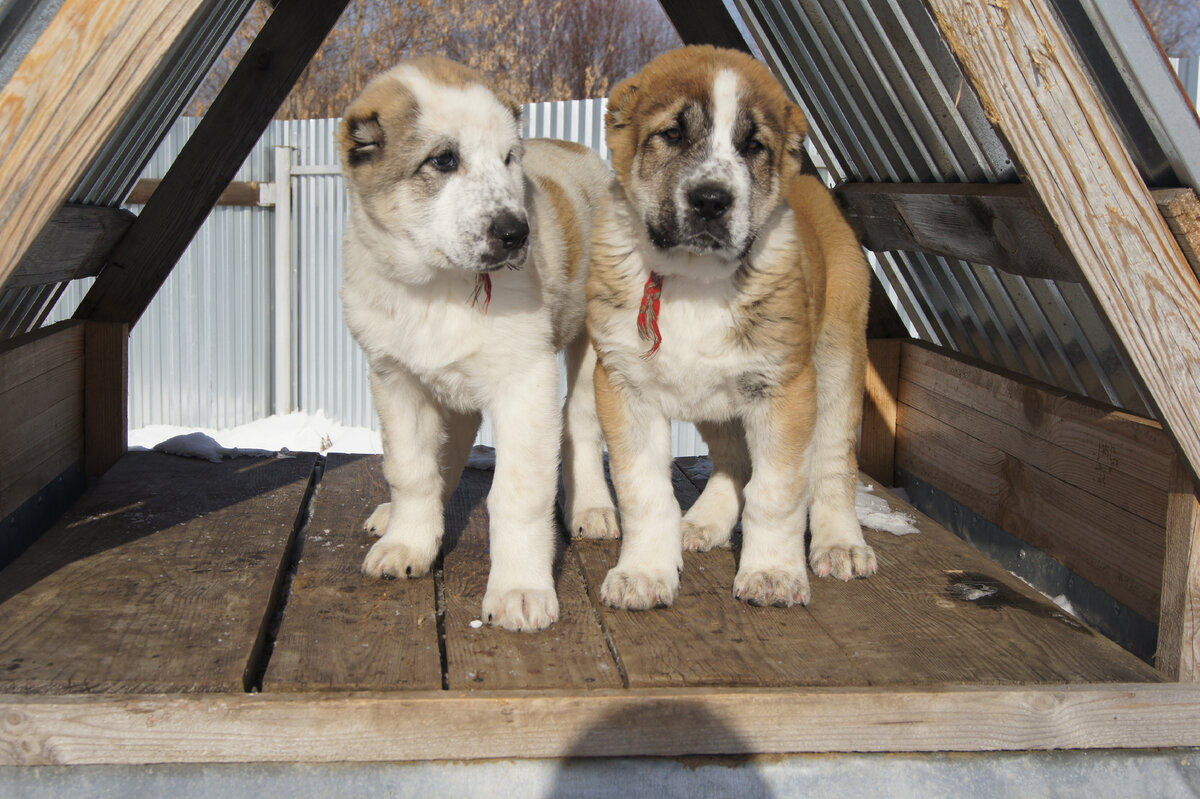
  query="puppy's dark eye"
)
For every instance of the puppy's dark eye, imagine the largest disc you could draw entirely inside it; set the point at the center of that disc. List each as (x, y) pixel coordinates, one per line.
(672, 135)
(508, 159)
(444, 162)
(753, 147)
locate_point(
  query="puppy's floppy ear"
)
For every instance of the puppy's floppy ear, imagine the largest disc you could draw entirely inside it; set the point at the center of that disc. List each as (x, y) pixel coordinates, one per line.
(796, 126)
(508, 102)
(362, 138)
(620, 105)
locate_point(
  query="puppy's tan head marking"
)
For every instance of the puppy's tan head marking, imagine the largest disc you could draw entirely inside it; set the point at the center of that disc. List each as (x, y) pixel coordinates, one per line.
(705, 142)
(432, 158)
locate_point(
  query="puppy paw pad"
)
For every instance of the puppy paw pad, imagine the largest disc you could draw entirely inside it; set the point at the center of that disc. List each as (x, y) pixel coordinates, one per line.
(636, 590)
(844, 563)
(520, 609)
(596, 523)
(777, 587)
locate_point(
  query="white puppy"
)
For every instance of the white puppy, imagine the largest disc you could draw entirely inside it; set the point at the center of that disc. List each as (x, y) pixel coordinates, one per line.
(466, 257)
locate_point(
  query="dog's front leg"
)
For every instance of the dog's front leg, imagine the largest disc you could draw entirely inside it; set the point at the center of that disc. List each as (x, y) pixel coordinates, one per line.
(527, 421)
(779, 430)
(639, 445)
(412, 435)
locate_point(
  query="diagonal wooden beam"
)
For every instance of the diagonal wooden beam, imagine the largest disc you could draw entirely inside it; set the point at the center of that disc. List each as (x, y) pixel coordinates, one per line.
(704, 22)
(235, 121)
(1037, 91)
(66, 97)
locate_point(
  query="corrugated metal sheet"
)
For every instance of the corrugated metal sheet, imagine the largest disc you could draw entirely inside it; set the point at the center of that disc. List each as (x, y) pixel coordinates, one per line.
(888, 103)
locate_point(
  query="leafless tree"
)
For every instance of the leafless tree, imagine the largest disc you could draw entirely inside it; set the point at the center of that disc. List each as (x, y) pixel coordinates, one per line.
(1176, 23)
(533, 49)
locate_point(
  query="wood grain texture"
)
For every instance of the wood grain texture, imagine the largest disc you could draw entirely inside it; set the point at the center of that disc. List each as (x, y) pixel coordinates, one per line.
(877, 439)
(707, 637)
(66, 97)
(238, 192)
(1117, 551)
(1178, 653)
(73, 244)
(1034, 87)
(341, 630)
(1181, 211)
(995, 224)
(209, 160)
(41, 410)
(158, 580)
(570, 653)
(650, 722)
(1117, 456)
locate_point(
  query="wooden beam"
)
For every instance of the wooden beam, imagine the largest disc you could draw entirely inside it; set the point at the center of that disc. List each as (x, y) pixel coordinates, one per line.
(75, 243)
(877, 442)
(994, 224)
(105, 392)
(1032, 84)
(704, 22)
(1178, 653)
(79, 79)
(238, 192)
(1181, 210)
(209, 160)
(439, 725)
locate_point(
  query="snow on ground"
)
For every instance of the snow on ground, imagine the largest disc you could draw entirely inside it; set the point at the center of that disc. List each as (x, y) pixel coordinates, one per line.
(305, 432)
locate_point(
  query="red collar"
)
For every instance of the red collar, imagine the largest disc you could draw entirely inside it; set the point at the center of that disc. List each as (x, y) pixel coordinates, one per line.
(647, 318)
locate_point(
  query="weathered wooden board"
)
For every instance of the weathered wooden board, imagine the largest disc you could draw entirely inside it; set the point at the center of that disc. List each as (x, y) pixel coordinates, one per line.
(1034, 86)
(209, 160)
(707, 637)
(406, 726)
(160, 579)
(73, 244)
(64, 99)
(1000, 225)
(341, 630)
(1178, 652)
(571, 653)
(877, 438)
(1117, 551)
(41, 410)
(105, 394)
(1181, 211)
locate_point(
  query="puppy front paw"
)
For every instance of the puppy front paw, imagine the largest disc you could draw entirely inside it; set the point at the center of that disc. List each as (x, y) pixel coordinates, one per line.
(390, 559)
(780, 587)
(630, 589)
(844, 563)
(520, 609)
(599, 523)
(377, 522)
(703, 537)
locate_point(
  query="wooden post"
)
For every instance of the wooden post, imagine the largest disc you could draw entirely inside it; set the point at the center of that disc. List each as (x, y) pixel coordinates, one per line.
(1034, 87)
(105, 395)
(79, 79)
(1179, 619)
(877, 442)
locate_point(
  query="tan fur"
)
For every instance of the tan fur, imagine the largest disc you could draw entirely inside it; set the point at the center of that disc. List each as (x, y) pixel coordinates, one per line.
(773, 346)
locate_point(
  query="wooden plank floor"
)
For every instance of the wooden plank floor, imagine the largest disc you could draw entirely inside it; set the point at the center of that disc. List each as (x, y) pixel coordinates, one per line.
(175, 575)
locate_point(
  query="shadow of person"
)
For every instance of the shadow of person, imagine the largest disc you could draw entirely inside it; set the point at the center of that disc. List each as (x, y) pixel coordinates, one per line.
(675, 749)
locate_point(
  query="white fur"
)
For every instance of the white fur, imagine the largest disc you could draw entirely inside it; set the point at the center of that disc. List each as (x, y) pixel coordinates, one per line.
(438, 360)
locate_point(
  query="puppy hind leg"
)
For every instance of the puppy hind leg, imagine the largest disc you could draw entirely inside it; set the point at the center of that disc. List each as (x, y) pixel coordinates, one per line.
(412, 522)
(838, 547)
(589, 507)
(710, 521)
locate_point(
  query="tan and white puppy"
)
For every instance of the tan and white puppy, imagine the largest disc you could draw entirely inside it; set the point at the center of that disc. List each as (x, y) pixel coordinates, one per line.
(727, 290)
(466, 256)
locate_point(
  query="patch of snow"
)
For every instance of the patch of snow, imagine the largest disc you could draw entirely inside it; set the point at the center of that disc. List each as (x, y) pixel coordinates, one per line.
(875, 512)
(283, 433)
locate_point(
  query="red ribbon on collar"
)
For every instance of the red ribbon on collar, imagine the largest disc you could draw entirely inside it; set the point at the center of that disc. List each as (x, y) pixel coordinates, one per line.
(483, 283)
(647, 318)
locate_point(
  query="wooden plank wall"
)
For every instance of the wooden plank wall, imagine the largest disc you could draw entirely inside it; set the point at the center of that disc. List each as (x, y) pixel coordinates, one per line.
(41, 410)
(1085, 483)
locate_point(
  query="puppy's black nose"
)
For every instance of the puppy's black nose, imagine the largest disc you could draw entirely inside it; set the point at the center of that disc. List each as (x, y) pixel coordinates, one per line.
(510, 230)
(709, 200)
